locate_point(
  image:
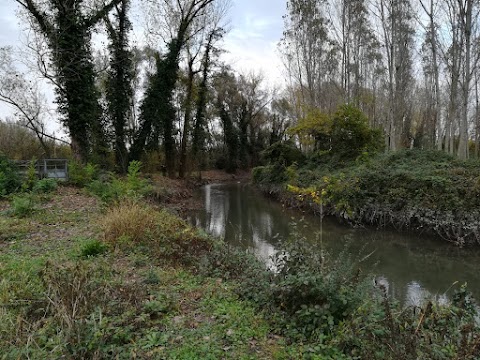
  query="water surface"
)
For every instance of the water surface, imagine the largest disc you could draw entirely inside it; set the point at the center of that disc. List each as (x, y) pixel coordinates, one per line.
(414, 266)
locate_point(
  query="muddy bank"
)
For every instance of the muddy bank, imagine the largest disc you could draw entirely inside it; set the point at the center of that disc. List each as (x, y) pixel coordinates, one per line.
(179, 194)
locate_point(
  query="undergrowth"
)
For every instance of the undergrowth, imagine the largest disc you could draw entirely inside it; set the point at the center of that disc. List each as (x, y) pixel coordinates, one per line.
(163, 290)
(408, 189)
(129, 225)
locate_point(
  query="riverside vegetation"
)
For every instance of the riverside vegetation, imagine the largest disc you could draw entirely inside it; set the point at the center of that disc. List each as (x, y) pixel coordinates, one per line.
(102, 271)
(346, 175)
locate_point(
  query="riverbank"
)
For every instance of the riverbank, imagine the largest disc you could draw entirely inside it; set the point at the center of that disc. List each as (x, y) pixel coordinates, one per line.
(422, 191)
(85, 279)
(107, 272)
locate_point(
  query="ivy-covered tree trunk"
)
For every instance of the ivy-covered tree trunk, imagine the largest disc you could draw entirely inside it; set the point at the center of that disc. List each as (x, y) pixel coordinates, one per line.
(230, 138)
(187, 119)
(119, 85)
(66, 25)
(157, 108)
(243, 122)
(157, 111)
(199, 131)
(78, 98)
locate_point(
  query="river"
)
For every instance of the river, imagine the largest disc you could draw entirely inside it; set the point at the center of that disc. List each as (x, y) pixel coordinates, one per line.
(414, 267)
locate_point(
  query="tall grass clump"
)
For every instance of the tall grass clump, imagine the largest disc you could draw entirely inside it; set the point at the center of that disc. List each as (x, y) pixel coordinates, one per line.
(129, 222)
(92, 248)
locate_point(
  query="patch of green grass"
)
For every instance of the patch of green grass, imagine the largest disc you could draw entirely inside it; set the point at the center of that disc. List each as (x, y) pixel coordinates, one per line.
(13, 229)
(210, 322)
(92, 248)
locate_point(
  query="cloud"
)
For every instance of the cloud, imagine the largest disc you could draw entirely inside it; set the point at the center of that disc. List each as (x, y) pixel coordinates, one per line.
(252, 43)
(9, 35)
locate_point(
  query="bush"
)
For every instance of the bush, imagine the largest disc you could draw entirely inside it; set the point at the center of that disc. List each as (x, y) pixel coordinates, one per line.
(22, 206)
(315, 291)
(129, 222)
(381, 329)
(30, 178)
(81, 175)
(9, 178)
(92, 248)
(45, 186)
(110, 189)
(284, 153)
(271, 174)
(351, 135)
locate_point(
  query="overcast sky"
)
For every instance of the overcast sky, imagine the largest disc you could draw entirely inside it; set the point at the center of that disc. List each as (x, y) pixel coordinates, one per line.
(257, 27)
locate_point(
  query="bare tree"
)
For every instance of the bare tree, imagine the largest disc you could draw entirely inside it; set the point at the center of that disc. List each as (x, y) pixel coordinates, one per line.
(25, 98)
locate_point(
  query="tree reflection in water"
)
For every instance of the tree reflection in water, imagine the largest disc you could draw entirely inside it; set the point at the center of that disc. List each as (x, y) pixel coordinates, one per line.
(414, 267)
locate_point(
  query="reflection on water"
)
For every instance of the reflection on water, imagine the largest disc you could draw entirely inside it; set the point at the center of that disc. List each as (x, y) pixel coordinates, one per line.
(412, 266)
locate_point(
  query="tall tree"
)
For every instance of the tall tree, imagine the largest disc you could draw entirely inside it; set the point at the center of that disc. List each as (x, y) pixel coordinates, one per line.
(66, 26)
(158, 113)
(199, 131)
(466, 24)
(120, 79)
(396, 23)
(431, 65)
(308, 50)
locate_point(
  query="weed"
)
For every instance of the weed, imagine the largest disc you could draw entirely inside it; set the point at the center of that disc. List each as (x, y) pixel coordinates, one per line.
(45, 186)
(9, 178)
(81, 175)
(22, 206)
(128, 220)
(152, 278)
(92, 248)
(111, 189)
(30, 178)
(383, 330)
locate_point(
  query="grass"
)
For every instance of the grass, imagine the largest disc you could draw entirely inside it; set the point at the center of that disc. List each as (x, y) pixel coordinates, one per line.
(58, 298)
(173, 293)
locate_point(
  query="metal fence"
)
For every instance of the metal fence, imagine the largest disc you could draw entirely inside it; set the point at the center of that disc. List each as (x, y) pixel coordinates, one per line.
(46, 168)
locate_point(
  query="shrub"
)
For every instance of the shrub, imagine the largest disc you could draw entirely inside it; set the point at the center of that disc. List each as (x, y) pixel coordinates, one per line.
(22, 206)
(9, 179)
(81, 175)
(45, 186)
(284, 153)
(271, 174)
(30, 178)
(110, 189)
(92, 248)
(381, 329)
(315, 291)
(351, 135)
(129, 220)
